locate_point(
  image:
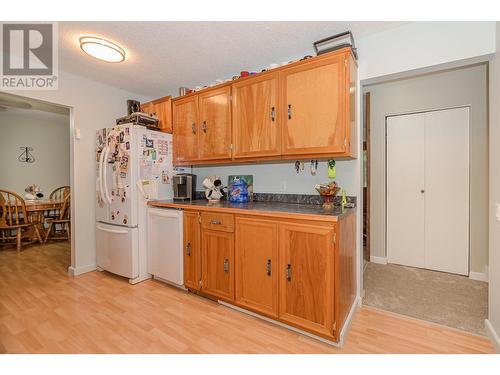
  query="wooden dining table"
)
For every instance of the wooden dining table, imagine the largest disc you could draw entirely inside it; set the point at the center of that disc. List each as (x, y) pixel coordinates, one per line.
(36, 208)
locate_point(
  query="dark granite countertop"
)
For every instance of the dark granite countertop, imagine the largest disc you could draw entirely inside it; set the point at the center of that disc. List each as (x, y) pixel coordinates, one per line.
(311, 210)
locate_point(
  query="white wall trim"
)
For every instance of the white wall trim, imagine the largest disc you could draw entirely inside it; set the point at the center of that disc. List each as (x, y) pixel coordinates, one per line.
(248, 312)
(75, 271)
(379, 260)
(347, 324)
(479, 276)
(490, 331)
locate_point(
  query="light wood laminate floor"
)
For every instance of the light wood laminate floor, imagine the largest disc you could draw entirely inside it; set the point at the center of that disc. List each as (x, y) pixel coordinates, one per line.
(43, 310)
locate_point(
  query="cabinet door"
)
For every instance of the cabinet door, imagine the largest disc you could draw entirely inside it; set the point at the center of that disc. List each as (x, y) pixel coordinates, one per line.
(256, 125)
(185, 129)
(192, 250)
(215, 124)
(314, 119)
(306, 277)
(163, 109)
(218, 264)
(256, 256)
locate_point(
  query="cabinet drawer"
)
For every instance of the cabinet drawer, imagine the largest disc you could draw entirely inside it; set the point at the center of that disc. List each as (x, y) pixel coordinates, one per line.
(217, 221)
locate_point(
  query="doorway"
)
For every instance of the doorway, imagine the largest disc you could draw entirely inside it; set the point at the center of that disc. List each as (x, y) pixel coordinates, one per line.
(428, 266)
(35, 185)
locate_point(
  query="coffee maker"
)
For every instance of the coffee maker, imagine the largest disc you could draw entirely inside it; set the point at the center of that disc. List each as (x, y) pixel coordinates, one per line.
(184, 186)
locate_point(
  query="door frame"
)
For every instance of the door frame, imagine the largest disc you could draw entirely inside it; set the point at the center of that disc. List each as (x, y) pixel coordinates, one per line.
(437, 109)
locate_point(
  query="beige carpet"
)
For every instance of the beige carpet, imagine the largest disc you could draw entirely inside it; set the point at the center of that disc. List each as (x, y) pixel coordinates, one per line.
(443, 298)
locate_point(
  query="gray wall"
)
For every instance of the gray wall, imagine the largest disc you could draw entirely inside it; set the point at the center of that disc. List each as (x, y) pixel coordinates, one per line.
(494, 274)
(48, 134)
(466, 86)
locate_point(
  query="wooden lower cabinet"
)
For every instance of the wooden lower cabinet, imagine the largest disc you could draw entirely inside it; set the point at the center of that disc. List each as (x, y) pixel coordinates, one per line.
(192, 250)
(300, 272)
(306, 266)
(218, 264)
(256, 257)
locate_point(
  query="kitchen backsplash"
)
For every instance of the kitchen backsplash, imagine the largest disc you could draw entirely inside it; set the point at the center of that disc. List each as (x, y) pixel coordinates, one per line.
(282, 177)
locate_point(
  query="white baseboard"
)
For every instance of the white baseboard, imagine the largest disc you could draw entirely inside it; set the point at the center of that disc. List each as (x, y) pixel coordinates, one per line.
(379, 260)
(490, 331)
(478, 276)
(75, 271)
(355, 305)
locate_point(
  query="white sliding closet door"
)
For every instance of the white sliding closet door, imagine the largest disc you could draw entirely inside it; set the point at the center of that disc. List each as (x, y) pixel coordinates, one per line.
(447, 190)
(428, 190)
(405, 180)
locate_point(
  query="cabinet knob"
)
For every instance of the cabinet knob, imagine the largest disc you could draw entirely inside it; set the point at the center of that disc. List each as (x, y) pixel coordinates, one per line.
(226, 265)
(193, 128)
(204, 126)
(422, 191)
(289, 111)
(289, 272)
(188, 249)
(215, 222)
(273, 114)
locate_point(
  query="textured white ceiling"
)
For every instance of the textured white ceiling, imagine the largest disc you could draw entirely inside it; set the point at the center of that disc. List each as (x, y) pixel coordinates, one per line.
(162, 56)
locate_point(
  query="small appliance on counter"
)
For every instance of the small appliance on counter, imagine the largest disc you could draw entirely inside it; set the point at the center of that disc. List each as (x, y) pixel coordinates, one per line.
(214, 190)
(184, 186)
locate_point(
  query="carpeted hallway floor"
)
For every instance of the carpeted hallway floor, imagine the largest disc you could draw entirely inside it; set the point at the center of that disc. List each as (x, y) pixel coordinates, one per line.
(443, 298)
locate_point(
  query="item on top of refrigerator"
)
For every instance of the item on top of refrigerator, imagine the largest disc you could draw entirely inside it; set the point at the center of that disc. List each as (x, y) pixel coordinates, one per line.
(133, 106)
(240, 188)
(139, 118)
(214, 190)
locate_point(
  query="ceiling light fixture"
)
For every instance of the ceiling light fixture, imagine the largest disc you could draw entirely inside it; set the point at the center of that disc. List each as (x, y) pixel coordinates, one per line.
(102, 49)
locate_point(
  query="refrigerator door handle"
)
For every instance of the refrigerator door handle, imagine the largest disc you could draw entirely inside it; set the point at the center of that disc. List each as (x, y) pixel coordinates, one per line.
(105, 161)
(101, 164)
(117, 231)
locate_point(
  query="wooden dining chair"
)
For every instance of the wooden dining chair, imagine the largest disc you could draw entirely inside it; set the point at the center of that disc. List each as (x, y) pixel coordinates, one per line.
(63, 221)
(58, 194)
(14, 221)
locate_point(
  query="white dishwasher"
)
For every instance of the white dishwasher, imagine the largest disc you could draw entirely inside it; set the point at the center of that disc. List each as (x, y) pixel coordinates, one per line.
(165, 249)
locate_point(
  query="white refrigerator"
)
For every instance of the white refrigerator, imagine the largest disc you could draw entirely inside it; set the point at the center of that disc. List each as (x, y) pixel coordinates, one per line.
(133, 165)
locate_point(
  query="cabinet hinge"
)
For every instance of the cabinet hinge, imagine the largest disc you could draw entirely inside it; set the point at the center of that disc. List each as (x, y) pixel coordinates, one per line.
(334, 238)
(200, 283)
(345, 141)
(345, 63)
(334, 326)
(199, 218)
(231, 146)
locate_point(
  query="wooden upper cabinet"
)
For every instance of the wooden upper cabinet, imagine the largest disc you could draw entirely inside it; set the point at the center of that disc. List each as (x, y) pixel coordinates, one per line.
(306, 271)
(192, 250)
(186, 129)
(163, 109)
(256, 125)
(313, 101)
(214, 137)
(256, 257)
(218, 264)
